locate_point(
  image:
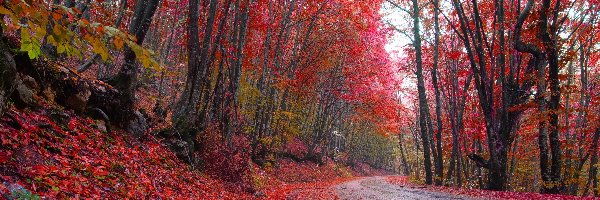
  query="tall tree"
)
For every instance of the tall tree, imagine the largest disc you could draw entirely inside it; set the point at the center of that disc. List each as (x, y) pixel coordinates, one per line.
(423, 105)
(126, 80)
(439, 163)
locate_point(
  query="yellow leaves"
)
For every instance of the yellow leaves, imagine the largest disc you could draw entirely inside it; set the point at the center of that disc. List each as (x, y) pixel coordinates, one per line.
(57, 31)
(56, 27)
(144, 56)
(30, 44)
(98, 46)
(5, 11)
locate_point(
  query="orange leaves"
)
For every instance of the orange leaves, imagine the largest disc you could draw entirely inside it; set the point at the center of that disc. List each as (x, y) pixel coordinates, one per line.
(118, 43)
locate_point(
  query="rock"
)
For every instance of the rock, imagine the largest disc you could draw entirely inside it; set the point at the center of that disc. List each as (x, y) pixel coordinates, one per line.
(101, 125)
(49, 94)
(29, 82)
(25, 95)
(78, 102)
(8, 76)
(138, 125)
(260, 194)
(181, 148)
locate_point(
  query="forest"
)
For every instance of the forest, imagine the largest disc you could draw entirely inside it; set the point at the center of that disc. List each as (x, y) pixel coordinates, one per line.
(299, 99)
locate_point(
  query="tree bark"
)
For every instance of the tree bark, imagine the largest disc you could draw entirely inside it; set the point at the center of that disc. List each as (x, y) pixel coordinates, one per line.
(439, 163)
(548, 36)
(126, 79)
(423, 106)
(593, 173)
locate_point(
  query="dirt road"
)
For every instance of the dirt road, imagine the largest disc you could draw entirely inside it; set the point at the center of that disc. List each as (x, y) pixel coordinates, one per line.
(379, 188)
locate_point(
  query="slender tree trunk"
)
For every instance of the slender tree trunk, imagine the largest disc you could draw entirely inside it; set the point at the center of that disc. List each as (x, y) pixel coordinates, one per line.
(551, 47)
(423, 106)
(593, 173)
(405, 167)
(439, 163)
(542, 126)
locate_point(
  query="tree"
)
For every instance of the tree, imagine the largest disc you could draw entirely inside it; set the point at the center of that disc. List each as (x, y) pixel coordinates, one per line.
(126, 80)
(423, 105)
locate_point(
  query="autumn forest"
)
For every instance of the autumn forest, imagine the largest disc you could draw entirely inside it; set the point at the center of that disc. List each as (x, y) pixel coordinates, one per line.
(299, 99)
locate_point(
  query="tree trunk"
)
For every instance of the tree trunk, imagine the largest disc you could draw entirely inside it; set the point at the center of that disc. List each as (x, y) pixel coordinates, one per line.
(593, 173)
(185, 105)
(405, 167)
(126, 79)
(423, 106)
(548, 36)
(439, 163)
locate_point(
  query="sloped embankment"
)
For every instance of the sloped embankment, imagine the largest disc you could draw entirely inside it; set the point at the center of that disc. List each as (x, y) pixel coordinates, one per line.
(55, 153)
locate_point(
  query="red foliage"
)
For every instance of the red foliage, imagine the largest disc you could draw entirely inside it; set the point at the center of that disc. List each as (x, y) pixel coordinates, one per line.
(227, 163)
(487, 194)
(305, 180)
(57, 154)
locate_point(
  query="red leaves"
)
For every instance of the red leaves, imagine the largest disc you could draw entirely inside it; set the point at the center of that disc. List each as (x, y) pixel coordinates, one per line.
(89, 164)
(476, 193)
(4, 157)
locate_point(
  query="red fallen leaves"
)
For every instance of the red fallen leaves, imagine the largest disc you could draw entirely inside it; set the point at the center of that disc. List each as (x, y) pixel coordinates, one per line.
(58, 155)
(62, 158)
(487, 194)
(307, 180)
(313, 190)
(4, 157)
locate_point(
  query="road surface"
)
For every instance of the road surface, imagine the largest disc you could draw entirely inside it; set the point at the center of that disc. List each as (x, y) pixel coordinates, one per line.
(378, 188)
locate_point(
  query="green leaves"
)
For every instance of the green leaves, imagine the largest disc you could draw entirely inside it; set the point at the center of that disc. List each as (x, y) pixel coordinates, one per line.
(30, 45)
(48, 26)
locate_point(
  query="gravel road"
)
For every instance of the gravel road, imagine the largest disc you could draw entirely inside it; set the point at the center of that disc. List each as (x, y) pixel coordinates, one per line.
(379, 188)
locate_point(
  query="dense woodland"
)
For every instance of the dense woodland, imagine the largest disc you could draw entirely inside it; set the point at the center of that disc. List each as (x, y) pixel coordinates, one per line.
(498, 95)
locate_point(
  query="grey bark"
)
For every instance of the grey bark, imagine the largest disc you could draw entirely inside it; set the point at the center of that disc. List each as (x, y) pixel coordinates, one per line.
(423, 106)
(126, 79)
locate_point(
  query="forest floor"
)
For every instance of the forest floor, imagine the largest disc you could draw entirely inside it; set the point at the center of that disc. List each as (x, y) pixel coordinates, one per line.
(53, 153)
(379, 188)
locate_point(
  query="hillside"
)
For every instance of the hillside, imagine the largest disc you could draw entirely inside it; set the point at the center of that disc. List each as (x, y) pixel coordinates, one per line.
(52, 152)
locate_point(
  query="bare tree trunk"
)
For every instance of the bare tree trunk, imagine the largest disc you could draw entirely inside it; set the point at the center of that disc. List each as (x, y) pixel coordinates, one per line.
(439, 163)
(405, 167)
(551, 47)
(126, 79)
(593, 174)
(423, 106)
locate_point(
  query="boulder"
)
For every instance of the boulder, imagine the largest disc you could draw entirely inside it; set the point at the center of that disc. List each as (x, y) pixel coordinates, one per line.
(24, 95)
(78, 101)
(49, 94)
(8, 76)
(101, 125)
(182, 149)
(138, 125)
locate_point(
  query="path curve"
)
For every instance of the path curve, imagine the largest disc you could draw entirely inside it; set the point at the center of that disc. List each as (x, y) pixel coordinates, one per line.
(378, 188)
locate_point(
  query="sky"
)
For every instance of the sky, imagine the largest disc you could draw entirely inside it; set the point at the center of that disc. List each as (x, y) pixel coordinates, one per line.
(396, 43)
